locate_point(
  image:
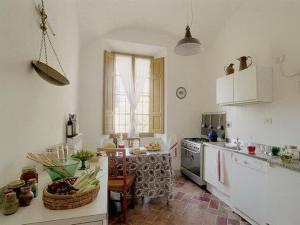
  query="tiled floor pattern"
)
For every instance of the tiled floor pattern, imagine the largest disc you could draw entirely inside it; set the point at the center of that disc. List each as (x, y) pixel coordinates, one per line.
(191, 206)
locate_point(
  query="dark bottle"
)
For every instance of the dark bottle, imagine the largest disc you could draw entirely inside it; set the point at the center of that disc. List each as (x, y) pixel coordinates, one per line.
(69, 128)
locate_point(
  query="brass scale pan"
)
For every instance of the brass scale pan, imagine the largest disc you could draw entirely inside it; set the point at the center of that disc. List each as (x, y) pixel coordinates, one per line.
(49, 74)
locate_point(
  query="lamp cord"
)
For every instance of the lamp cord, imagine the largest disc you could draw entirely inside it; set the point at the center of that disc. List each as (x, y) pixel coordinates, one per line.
(189, 13)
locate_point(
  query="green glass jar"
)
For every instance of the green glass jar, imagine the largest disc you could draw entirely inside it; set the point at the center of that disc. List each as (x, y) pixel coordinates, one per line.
(275, 151)
(10, 203)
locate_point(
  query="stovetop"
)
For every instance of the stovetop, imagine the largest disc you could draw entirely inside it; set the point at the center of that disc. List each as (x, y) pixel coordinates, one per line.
(197, 140)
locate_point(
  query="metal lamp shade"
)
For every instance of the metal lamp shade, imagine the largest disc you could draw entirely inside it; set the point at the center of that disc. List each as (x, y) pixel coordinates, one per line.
(188, 45)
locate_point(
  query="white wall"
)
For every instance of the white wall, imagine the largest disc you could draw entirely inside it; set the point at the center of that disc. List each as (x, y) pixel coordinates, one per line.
(32, 111)
(183, 116)
(264, 30)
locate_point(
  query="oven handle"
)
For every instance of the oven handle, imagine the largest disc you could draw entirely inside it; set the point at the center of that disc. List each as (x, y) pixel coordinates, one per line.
(189, 150)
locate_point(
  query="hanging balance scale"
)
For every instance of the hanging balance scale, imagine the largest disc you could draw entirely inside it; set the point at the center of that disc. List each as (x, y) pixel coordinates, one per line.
(42, 68)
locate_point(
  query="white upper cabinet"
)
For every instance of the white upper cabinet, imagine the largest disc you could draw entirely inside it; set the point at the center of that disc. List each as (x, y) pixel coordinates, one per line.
(225, 90)
(252, 85)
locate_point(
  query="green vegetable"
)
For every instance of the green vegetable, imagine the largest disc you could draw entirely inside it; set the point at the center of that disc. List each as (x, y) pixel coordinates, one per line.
(87, 180)
(83, 155)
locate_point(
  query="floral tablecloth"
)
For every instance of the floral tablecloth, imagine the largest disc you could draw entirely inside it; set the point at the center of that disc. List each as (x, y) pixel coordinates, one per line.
(153, 171)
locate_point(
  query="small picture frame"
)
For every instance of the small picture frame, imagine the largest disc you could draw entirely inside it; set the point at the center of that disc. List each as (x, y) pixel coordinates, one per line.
(181, 92)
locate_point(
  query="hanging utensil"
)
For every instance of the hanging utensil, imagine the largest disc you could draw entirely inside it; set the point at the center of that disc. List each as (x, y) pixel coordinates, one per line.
(203, 125)
(220, 126)
(210, 122)
(43, 69)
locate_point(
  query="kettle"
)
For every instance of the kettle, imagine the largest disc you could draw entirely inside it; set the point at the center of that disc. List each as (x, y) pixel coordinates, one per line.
(229, 69)
(212, 136)
(243, 62)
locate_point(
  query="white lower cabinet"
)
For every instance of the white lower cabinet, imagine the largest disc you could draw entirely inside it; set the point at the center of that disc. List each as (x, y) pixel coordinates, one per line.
(262, 194)
(249, 185)
(210, 165)
(283, 202)
(217, 166)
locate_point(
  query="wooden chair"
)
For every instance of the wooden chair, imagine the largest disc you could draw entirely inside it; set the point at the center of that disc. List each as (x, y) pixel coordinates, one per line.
(118, 180)
(130, 141)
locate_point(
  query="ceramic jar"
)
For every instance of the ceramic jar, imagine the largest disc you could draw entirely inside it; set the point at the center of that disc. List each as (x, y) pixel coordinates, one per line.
(2, 196)
(29, 172)
(10, 203)
(25, 197)
(16, 186)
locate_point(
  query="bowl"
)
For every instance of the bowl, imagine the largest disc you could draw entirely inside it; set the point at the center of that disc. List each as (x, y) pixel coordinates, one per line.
(286, 158)
(64, 169)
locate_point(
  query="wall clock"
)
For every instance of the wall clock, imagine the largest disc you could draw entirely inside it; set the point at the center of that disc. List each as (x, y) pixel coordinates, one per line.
(181, 92)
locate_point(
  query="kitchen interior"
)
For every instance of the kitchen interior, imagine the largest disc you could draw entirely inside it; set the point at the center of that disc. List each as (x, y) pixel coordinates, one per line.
(181, 112)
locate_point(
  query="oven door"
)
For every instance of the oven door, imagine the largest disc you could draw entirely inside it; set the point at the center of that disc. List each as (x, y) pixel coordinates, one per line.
(190, 160)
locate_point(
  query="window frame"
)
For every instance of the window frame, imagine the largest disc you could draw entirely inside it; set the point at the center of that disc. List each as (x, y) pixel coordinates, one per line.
(133, 57)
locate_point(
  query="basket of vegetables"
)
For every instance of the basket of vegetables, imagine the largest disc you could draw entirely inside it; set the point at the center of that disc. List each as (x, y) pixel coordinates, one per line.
(73, 192)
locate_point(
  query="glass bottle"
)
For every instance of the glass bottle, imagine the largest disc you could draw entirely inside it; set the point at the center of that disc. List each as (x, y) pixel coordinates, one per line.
(33, 186)
(69, 128)
(10, 204)
(25, 197)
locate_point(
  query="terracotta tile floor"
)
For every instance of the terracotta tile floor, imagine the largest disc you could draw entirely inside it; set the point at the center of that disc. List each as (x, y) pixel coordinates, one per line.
(190, 206)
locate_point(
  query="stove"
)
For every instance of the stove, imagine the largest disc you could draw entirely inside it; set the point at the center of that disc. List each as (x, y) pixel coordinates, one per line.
(192, 159)
(192, 149)
(193, 143)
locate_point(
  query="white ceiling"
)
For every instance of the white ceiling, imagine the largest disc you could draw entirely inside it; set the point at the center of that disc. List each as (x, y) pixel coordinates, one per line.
(99, 17)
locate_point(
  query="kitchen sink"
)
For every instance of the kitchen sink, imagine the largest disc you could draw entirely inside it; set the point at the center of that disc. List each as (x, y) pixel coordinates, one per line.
(231, 146)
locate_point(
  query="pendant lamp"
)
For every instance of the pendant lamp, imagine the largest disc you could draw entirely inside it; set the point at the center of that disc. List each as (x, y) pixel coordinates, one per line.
(188, 45)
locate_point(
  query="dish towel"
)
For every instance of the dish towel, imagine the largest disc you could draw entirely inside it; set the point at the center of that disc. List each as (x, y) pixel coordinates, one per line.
(173, 144)
(220, 166)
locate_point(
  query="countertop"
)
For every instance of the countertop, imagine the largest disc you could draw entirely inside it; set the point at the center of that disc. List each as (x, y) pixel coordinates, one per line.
(37, 213)
(272, 160)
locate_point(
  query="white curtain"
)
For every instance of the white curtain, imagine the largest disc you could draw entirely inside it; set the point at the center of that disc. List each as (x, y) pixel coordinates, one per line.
(133, 87)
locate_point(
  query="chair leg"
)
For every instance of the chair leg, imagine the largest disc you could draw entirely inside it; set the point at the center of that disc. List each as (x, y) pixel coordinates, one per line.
(133, 196)
(108, 202)
(124, 206)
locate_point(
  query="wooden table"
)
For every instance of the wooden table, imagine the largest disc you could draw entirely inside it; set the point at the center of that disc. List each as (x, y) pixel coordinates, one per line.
(153, 172)
(94, 213)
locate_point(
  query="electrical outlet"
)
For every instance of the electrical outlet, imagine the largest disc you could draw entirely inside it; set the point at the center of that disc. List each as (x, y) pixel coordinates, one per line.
(229, 124)
(268, 121)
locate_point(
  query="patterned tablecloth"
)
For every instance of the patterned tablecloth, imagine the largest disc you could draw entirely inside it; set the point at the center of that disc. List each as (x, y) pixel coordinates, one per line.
(153, 173)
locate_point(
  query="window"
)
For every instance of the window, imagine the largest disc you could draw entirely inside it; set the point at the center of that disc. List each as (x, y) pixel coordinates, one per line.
(133, 85)
(131, 65)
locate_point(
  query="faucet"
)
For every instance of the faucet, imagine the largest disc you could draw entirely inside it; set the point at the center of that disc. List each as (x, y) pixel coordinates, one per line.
(238, 144)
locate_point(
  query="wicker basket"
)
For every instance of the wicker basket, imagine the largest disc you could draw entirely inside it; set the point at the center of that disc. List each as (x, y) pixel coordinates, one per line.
(58, 202)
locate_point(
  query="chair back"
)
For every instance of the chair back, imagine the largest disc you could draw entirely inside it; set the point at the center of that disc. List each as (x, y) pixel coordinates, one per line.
(116, 171)
(130, 141)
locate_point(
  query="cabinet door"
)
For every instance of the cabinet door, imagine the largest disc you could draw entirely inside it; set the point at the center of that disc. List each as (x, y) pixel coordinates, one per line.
(225, 172)
(283, 196)
(211, 166)
(245, 85)
(225, 90)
